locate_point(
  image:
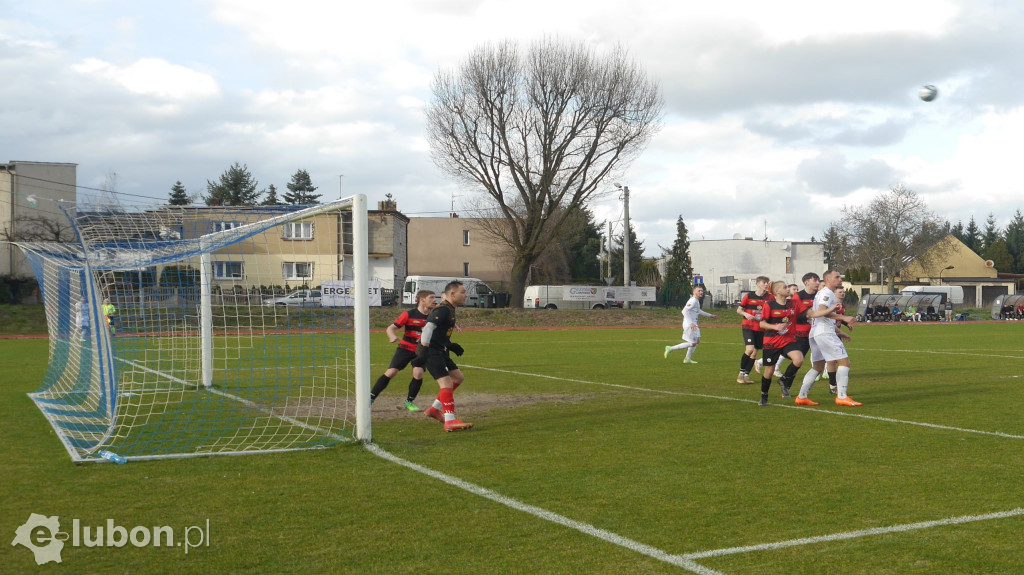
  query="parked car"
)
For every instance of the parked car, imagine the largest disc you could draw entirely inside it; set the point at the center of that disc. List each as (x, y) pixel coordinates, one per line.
(299, 297)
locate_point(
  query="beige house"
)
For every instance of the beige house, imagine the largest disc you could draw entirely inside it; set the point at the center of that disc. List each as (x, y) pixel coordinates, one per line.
(21, 185)
(456, 247)
(952, 263)
(307, 252)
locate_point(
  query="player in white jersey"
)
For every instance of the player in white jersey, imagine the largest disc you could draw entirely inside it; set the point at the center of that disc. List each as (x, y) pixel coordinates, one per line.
(691, 331)
(825, 343)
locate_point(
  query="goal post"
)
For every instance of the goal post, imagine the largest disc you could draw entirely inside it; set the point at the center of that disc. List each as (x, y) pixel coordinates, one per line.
(182, 331)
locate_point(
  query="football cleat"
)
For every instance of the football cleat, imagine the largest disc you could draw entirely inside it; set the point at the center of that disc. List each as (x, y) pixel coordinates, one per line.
(410, 406)
(785, 392)
(833, 389)
(805, 401)
(668, 350)
(764, 400)
(847, 401)
(689, 361)
(742, 378)
(757, 366)
(457, 425)
(434, 413)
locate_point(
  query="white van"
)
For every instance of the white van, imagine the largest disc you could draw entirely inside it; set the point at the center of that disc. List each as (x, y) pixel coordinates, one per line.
(567, 297)
(476, 289)
(954, 294)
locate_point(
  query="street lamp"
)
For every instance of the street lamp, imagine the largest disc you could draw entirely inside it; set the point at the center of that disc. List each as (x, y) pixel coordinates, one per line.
(881, 265)
(947, 268)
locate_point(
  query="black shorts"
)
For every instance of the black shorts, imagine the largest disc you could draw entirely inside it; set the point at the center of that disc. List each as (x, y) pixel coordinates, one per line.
(439, 364)
(402, 358)
(803, 344)
(773, 356)
(754, 338)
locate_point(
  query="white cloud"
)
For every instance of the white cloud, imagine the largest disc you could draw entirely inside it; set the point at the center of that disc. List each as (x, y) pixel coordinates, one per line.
(152, 77)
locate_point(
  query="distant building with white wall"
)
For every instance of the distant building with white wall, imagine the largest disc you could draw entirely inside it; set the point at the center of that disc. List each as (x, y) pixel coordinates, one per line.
(744, 259)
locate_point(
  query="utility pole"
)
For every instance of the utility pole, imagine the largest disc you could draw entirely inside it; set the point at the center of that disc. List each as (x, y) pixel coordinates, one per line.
(609, 250)
(625, 241)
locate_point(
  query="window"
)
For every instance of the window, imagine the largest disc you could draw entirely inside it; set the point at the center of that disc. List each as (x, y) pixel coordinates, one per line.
(223, 226)
(465, 269)
(298, 231)
(789, 265)
(465, 237)
(228, 270)
(298, 270)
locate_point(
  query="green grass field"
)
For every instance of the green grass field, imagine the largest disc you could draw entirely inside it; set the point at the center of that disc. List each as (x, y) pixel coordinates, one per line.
(602, 457)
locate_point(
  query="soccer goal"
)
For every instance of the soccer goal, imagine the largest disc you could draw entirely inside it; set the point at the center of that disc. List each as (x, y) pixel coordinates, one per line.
(185, 331)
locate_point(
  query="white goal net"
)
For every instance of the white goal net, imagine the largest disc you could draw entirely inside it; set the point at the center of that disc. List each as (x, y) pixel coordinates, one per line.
(180, 331)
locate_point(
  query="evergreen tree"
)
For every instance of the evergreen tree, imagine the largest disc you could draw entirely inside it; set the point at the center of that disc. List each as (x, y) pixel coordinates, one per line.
(583, 246)
(236, 187)
(998, 253)
(178, 196)
(958, 231)
(679, 268)
(1014, 235)
(271, 197)
(991, 232)
(300, 190)
(972, 237)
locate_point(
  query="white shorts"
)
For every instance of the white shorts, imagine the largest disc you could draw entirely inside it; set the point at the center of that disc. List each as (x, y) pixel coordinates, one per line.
(691, 333)
(827, 347)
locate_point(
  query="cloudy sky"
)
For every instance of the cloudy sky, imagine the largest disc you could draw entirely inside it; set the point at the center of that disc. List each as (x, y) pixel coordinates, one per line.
(777, 113)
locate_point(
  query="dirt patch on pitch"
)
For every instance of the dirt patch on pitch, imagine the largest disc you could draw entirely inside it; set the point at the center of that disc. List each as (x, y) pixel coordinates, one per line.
(389, 407)
(386, 408)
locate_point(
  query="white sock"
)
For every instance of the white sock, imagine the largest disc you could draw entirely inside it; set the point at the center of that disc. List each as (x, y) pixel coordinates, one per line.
(683, 345)
(437, 405)
(808, 383)
(842, 380)
(689, 352)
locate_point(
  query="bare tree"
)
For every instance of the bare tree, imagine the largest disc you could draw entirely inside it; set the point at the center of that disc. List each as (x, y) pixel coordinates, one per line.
(538, 133)
(892, 230)
(39, 229)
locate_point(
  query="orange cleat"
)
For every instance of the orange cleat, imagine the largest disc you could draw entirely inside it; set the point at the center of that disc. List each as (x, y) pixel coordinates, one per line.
(847, 401)
(435, 413)
(457, 425)
(805, 401)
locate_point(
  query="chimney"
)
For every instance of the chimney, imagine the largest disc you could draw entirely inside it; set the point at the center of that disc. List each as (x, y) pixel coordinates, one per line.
(388, 205)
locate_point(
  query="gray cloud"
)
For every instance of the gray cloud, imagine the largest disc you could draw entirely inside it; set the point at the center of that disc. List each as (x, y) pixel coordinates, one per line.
(830, 173)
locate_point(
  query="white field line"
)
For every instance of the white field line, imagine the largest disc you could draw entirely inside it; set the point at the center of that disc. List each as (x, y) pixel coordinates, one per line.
(724, 398)
(853, 534)
(244, 402)
(585, 528)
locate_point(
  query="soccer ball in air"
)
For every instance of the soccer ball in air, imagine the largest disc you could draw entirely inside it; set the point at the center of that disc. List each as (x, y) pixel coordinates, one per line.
(928, 93)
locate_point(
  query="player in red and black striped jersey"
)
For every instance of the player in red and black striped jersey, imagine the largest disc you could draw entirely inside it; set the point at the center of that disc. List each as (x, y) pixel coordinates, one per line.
(413, 321)
(803, 300)
(750, 309)
(778, 322)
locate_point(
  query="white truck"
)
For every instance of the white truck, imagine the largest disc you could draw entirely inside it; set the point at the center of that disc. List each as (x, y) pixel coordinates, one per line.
(568, 297)
(476, 289)
(954, 294)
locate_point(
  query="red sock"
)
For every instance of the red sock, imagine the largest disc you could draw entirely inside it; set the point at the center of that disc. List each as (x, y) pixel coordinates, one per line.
(455, 385)
(447, 400)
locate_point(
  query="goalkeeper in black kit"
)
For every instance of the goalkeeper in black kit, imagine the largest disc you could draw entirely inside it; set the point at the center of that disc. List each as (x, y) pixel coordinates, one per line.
(434, 349)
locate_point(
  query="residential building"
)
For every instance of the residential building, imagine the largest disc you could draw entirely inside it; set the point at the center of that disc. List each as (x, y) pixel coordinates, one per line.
(29, 192)
(950, 262)
(457, 247)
